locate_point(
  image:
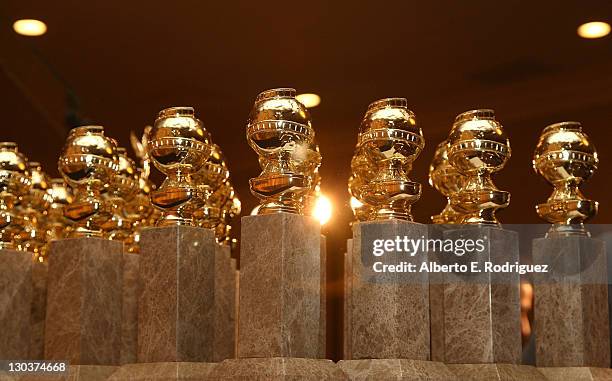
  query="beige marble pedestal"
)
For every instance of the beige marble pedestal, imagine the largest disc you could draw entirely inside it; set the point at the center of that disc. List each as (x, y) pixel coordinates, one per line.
(164, 371)
(323, 303)
(224, 317)
(176, 305)
(571, 322)
(84, 301)
(277, 369)
(75, 373)
(497, 372)
(389, 311)
(129, 321)
(15, 304)
(39, 310)
(280, 286)
(577, 374)
(401, 370)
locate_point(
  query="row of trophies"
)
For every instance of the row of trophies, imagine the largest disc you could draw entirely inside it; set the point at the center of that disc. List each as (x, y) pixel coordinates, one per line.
(390, 140)
(103, 192)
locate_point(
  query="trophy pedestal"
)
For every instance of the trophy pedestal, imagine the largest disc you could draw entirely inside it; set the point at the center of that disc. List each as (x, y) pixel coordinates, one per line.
(277, 369)
(225, 314)
(164, 371)
(129, 321)
(346, 307)
(280, 286)
(39, 310)
(16, 304)
(75, 373)
(576, 373)
(391, 369)
(501, 372)
(571, 322)
(436, 299)
(389, 311)
(323, 304)
(176, 305)
(481, 311)
(84, 301)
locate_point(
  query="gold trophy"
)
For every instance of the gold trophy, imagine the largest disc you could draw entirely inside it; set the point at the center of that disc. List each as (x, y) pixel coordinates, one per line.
(391, 141)
(210, 179)
(88, 163)
(309, 165)
(120, 191)
(14, 183)
(566, 157)
(57, 225)
(279, 130)
(361, 173)
(179, 146)
(477, 148)
(33, 208)
(446, 180)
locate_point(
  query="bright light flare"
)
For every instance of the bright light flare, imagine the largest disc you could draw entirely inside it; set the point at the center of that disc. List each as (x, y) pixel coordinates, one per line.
(30, 27)
(595, 29)
(309, 100)
(322, 210)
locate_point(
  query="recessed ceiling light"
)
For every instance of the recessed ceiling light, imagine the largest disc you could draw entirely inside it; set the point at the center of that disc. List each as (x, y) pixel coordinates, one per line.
(309, 100)
(30, 27)
(595, 29)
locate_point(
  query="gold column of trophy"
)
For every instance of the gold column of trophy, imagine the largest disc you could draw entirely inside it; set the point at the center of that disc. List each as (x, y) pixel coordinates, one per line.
(179, 146)
(446, 180)
(566, 157)
(14, 183)
(279, 130)
(391, 141)
(57, 225)
(120, 191)
(361, 173)
(212, 179)
(477, 148)
(87, 163)
(33, 208)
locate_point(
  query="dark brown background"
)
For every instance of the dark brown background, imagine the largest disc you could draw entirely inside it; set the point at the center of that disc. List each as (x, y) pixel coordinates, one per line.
(117, 63)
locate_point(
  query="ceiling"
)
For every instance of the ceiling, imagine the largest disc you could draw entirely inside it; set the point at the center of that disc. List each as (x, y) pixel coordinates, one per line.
(117, 63)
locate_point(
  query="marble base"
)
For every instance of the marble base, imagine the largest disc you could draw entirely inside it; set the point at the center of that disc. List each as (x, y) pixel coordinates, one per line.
(39, 310)
(481, 311)
(75, 373)
(176, 305)
(84, 301)
(224, 316)
(280, 286)
(391, 369)
(323, 303)
(164, 371)
(389, 312)
(577, 374)
(15, 304)
(571, 322)
(346, 312)
(129, 321)
(500, 372)
(277, 369)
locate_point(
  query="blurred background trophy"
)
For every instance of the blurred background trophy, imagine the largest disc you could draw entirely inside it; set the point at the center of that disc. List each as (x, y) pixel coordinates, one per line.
(571, 301)
(389, 141)
(83, 325)
(16, 266)
(477, 146)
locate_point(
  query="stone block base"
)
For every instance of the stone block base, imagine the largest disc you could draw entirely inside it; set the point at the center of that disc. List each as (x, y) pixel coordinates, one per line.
(164, 371)
(501, 372)
(392, 369)
(276, 369)
(75, 373)
(576, 373)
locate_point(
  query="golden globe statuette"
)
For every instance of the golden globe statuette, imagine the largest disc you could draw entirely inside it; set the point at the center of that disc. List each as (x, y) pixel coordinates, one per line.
(212, 180)
(120, 191)
(566, 157)
(139, 210)
(57, 225)
(446, 180)
(14, 183)
(391, 141)
(361, 172)
(278, 126)
(308, 161)
(33, 208)
(179, 146)
(88, 163)
(477, 148)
